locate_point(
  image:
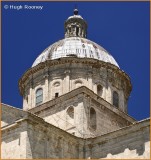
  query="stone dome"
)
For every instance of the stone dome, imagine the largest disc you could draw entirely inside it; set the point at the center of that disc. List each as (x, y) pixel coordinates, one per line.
(75, 44)
(75, 47)
(73, 62)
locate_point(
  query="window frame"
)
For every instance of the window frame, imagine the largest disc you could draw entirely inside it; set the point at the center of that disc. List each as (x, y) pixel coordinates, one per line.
(116, 99)
(99, 90)
(93, 116)
(38, 96)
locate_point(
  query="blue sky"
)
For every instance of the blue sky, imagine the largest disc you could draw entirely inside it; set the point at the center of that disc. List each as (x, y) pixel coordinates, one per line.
(122, 28)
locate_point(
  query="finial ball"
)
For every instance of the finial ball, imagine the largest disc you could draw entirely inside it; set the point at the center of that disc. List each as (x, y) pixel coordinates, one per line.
(75, 12)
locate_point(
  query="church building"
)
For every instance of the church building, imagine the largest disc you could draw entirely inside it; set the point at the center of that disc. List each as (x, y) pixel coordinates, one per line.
(75, 100)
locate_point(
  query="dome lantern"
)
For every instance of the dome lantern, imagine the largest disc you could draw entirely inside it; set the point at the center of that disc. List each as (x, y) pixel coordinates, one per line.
(75, 26)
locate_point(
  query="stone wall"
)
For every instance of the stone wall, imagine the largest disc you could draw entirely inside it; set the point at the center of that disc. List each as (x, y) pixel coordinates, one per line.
(63, 78)
(106, 120)
(14, 139)
(32, 137)
(71, 112)
(50, 142)
(130, 142)
(10, 114)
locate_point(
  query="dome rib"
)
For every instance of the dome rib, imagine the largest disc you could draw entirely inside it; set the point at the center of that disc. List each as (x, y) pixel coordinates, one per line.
(77, 46)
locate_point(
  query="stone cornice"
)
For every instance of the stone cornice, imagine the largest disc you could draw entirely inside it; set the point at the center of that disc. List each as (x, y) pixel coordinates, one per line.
(135, 127)
(87, 61)
(81, 91)
(45, 126)
(31, 119)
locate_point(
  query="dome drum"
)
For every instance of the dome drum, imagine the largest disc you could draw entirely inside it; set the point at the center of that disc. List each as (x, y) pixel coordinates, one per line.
(57, 77)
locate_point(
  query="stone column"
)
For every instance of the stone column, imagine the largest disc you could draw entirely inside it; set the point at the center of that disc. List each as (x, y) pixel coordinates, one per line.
(89, 151)
(90, 81)
(121, 100)
(67, 81)
(30, 97)
(104, 92)
(80, 151)
(109, 94)
(33, 95)
(82, 33)
(81, 120)
(25, 105)
(50, 88)
(79, 31)
(45, 94)
(95, 88)
(24, 142)
(125, 104)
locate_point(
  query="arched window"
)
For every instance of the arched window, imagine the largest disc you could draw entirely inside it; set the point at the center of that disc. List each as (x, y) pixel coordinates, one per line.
(77, 31)
(70, 112)
(92, 119)
(70, 118)
(69, 29)
(39, 96)
(99, 90)
(115, 99)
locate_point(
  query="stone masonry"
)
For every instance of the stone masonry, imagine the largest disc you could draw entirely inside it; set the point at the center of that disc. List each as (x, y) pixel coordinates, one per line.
(29, 136)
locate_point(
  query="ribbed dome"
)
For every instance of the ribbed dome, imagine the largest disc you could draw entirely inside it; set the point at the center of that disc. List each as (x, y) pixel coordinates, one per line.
(75, 47)
(75, 44)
